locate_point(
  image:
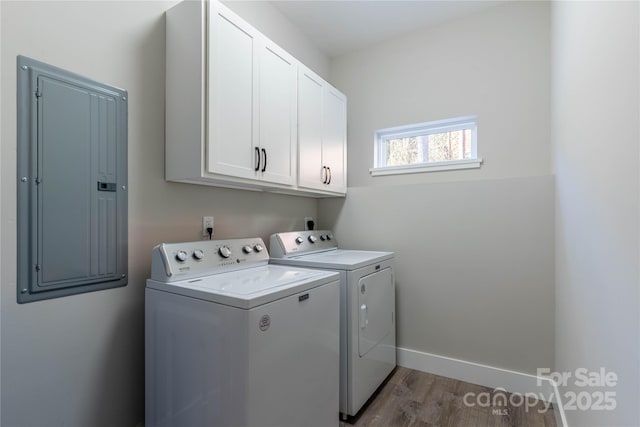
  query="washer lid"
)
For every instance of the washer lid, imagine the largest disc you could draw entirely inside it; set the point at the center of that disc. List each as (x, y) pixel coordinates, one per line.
(250, 287)
(338, 259)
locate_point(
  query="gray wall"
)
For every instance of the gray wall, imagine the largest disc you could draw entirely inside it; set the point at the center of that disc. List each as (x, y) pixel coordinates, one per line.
(475, 247)
(596, 123)
(78, 361)
(493, 63)
(474, 264)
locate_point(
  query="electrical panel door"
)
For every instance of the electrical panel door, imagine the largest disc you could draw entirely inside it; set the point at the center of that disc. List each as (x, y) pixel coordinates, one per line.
(72, 177)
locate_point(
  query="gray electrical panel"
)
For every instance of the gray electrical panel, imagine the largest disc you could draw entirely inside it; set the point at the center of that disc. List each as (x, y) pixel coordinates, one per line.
(71, 182)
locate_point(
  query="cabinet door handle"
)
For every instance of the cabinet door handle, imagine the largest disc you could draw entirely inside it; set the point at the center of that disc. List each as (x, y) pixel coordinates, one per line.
(323, 175)
(264, 167)
(329, 180)
(257, 159)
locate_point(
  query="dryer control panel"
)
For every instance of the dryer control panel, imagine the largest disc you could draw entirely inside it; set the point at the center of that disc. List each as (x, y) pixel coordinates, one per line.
(171, 262)
(294, 243)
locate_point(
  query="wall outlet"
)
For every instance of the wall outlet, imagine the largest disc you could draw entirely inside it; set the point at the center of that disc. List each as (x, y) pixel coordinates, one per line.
(207, 222)
(309, 223)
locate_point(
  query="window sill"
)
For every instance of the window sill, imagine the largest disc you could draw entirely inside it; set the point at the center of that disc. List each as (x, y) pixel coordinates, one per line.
(427, 167)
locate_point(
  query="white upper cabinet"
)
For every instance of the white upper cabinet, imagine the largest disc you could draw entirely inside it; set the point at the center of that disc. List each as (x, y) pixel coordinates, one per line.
(322, 134)
(233, 100)
(278, 115)
(232, 109)
(252, 102)
(310, 92)
(334, 139)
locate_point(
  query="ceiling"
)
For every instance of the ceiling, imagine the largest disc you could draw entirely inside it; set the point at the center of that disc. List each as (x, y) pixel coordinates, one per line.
(340, 26)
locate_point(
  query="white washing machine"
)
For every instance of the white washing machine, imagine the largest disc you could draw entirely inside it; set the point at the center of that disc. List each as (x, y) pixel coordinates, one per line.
(367, 308)
(233, 341)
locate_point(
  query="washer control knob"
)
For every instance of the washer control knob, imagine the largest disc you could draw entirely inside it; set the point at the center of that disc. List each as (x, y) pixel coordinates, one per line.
(198, 254)
(258, 248)
(313, 239)
(247, 249)
(181, 256)
(299, 240)
(329, 237)
(224, 252)
(323, 237)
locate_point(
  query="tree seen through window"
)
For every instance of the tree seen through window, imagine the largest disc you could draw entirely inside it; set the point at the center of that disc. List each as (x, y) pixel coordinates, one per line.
(439, 147)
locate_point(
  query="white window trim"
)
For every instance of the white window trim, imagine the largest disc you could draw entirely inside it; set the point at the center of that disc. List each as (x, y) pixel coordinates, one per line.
(434, 127)
(427, 167)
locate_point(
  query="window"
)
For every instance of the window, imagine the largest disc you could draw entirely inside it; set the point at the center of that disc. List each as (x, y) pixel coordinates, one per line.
(425, 147)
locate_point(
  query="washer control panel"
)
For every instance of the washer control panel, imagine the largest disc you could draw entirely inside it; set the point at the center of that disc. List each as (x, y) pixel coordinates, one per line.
(283, 245)
(180, 261)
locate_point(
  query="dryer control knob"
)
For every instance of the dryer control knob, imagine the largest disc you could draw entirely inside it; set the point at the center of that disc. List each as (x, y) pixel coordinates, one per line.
(313, 239)
(323, 237)
(247, 249)
(329, 237)
(299, 240)
(258, 248)
(224, 252)
(198, 254)
(181, 256)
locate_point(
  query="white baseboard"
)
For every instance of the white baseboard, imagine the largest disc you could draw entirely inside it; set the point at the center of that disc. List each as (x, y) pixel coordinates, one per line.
(488, 376)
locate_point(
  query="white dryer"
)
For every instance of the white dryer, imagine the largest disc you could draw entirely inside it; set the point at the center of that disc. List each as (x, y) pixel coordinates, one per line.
(233, 341)
(367, 308)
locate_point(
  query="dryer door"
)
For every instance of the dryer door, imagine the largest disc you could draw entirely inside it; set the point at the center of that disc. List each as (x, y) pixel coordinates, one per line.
(375, 309)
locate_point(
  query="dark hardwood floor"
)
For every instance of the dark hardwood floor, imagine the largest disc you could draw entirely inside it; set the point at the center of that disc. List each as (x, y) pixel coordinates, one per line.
(414, 398)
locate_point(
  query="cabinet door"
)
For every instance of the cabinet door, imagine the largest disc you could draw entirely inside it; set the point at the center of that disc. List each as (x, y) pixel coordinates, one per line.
(233, 107)
(334, 139)
(278, 115)
(310, 94)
